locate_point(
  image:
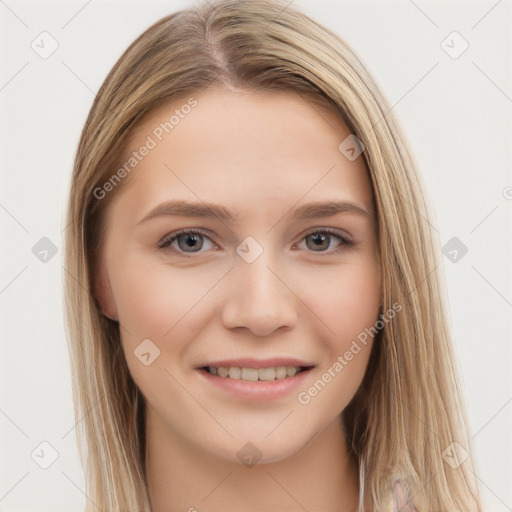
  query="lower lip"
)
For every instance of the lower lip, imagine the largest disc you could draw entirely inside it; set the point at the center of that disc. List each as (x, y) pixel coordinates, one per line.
(256, 390)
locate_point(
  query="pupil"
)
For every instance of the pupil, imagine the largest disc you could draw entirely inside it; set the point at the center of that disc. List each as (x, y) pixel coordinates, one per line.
(319, 241)
(191, 242)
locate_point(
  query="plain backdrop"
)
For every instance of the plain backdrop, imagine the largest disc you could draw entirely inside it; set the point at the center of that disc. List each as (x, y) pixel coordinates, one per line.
(455, 111)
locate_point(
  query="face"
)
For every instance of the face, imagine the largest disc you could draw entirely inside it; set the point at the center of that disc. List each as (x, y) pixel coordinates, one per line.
(273, 280)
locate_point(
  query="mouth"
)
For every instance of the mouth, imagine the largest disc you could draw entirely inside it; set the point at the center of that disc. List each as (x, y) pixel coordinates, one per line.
(250, 379)
(250, 374)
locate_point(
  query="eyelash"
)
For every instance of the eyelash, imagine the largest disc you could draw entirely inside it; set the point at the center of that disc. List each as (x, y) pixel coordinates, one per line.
(170, 238)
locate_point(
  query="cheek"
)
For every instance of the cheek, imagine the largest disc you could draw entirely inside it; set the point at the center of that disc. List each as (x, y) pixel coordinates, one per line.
(152, 297)
(165, 304)
(349, 306)
(346, 300)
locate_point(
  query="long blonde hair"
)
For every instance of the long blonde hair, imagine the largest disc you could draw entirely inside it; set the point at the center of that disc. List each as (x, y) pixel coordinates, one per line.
(408, 411)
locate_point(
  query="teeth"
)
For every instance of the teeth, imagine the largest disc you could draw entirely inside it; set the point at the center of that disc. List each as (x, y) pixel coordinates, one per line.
(267, 374)
(280, 372)
(249, 374)
(291, 371)
(254, 374)
(234, 373)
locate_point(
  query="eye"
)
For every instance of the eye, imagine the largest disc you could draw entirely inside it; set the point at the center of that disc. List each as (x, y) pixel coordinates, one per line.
(191, 241)
(186, 239)
(321, 239)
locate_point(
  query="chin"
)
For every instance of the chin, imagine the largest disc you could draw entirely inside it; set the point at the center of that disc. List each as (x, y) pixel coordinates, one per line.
(249, 448)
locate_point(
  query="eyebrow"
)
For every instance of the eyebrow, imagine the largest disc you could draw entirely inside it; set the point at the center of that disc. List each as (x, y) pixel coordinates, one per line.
(208, 210)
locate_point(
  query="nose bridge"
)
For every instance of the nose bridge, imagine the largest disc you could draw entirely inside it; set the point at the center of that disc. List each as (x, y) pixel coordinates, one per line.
(258, 299)
(258, 282)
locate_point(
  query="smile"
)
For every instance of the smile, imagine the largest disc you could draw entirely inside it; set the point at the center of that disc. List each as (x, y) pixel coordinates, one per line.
(255, 374)
(251, 379)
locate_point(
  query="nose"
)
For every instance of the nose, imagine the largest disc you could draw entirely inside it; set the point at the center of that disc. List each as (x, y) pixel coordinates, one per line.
(259, 298)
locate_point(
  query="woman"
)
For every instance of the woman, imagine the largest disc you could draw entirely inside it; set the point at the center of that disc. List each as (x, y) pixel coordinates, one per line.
(253, 302)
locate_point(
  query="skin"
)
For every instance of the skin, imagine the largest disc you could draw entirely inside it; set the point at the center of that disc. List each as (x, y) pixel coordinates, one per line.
(261, 155)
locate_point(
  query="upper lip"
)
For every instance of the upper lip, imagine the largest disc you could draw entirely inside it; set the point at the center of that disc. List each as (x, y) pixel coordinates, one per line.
(272, 362)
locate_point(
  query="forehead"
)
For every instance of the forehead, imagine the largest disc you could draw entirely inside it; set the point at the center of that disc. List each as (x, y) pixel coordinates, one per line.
(264, 149)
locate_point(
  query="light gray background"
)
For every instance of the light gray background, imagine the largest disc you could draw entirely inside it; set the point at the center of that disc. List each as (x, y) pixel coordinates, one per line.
(456, 114)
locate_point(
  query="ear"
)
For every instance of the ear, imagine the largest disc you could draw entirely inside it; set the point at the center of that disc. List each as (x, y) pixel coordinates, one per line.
(103, 290)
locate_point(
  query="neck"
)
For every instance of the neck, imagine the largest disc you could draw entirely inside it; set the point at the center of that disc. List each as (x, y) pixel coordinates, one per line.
(321, 476)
